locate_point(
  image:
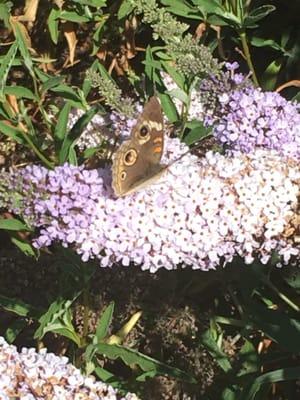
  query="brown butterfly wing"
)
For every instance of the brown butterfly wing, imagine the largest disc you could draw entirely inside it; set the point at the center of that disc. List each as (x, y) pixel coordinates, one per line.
(137, 160)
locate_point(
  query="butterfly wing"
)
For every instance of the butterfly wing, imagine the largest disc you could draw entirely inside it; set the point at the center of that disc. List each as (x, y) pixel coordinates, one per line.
(138, 159)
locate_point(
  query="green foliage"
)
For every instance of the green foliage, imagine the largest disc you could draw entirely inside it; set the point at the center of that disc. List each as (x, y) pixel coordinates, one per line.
(256, 300)
(148, 366)
(35, 109)
(112, 94)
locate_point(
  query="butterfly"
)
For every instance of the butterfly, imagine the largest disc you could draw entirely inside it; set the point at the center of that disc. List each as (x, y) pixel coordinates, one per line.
(136, 163)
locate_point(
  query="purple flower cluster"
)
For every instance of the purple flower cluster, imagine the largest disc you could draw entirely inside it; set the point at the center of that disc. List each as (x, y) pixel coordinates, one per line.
(252, 118)
(31, 375)
(201, 212)
(245, 117)
(63, 201)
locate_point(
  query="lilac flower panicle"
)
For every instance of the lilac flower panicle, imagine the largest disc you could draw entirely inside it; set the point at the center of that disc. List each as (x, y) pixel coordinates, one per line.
(244, 117)
(30, 375)
(201, 212)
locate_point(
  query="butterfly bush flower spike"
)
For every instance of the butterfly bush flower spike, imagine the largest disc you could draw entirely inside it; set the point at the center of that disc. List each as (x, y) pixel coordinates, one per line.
(244, 117)
(201, 213)
(30, 375)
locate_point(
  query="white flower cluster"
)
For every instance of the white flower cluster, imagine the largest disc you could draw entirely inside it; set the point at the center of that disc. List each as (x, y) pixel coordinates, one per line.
(195, 107)
(200, 213)
(103, 129)
(94, 133)
(30, 375)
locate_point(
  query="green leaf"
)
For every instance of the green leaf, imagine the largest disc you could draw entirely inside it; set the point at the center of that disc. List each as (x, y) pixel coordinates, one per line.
(75, 133)
(260, 12)
(197, 133)
(182, 8)
(95, 3)
(5, 8)
(220, 21)
(232, 19)
(125, 9)
(72, 157)
(98, 34)
(43, 77)
(55, 311)
(250, 359)
(18, 307)
(270, 76)
(132, 357)
(261, 42)
(276, 325)
(63, 326)
(228, 394)
(209, 6)
(174, 74)
(211, 345)
(24, 246)
(17, 62)
(111, 379)
(179, 94)
(168, 107)
(104, 322)
(89, 152)
(106, 376)
(13, 224)
(151, 65)
(14, 329)
(6, 64)
(68, 93)
(23, 49)
(53, 25)
(12, 132)
(61, 126)
(73, 16)
(20, 92)
(51, 83)
(279, 375)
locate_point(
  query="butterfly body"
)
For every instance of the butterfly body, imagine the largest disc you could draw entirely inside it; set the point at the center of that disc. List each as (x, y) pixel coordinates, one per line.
(137, 161)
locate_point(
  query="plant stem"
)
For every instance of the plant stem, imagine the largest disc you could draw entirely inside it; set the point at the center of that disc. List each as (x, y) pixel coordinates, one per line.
(283, 296)
(86, 310)
(248, 56)
(37, 151)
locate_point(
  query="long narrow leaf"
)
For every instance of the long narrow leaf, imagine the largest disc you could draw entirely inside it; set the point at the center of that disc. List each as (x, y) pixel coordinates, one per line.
(6, 64)
(18, 307)
(61, 126)
(23, 46)
(13, 224)
(104, 322)
(284, 374)
(75, 133)
(132, 357)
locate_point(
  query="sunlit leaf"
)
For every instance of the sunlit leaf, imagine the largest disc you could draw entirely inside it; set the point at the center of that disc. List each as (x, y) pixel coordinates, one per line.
(5, 66)
(279, 375)
(146, 363)
(104, 322)
(13, 224)
(125, 9)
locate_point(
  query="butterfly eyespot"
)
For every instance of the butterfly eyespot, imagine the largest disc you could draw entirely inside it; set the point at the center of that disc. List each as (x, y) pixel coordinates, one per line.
(123, 175)
(144, 131)
(130, 157)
